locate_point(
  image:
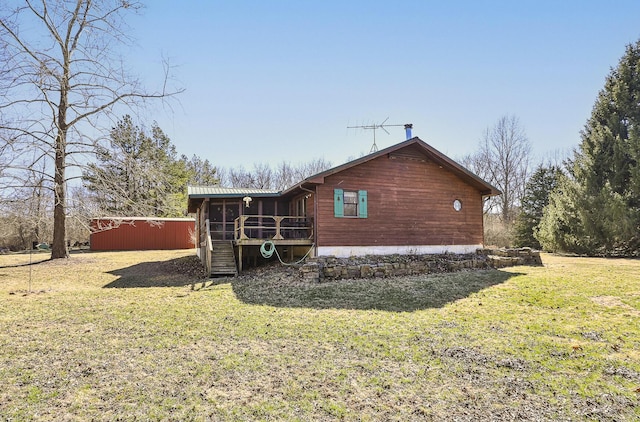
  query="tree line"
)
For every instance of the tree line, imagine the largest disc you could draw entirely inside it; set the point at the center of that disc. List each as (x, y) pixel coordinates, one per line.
(595, 208)
(588, 204)
(137, 173)
(61, 78)
(68, 152)
(62, 160)
(141, 174)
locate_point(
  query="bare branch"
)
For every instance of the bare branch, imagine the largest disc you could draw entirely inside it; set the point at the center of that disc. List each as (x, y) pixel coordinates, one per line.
(503, 159)
(59, 83)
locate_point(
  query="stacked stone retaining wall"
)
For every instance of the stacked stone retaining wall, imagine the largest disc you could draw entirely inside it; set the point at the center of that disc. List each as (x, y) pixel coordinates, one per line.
(332, 268)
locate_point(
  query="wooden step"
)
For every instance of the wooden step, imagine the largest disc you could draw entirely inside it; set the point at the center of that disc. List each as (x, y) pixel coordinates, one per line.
(223, 259)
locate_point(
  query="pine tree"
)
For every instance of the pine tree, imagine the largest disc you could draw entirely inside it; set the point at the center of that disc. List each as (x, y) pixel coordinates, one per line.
(604, 186)
(537, 190)
(201, 172)
(560, 229)
(138, 175)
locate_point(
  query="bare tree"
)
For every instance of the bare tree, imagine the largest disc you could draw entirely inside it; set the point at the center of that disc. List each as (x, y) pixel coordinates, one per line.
(61, 76)
(262, 176)
(503, 159)
(283, 176)
(236, 178)
(312, 167)
(559, 158)
(25, 216)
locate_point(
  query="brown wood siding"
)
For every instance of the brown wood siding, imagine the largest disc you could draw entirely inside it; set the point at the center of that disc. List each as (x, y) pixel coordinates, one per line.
(410, 202)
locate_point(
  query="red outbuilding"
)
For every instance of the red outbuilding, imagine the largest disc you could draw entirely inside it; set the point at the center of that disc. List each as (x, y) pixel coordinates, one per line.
(141, 233)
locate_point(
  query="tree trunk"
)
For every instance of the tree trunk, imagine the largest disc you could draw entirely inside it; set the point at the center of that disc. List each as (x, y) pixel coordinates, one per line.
(59, 248)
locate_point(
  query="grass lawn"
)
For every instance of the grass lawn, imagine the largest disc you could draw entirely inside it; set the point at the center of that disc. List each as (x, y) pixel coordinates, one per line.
(122, 335)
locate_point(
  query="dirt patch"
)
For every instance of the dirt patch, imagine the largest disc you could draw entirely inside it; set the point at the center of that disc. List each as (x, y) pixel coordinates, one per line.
(613, 302)
(283, 287)
(189, 266)
(181, 271)
(28, 292)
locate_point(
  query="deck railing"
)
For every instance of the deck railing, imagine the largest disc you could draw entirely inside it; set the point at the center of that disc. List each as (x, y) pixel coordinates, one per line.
(270, 227)
(208, 249)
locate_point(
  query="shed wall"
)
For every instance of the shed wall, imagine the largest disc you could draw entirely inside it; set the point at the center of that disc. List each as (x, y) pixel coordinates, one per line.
(141, 234)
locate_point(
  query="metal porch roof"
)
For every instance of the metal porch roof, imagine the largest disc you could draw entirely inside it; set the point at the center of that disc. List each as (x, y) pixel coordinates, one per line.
(220, 192)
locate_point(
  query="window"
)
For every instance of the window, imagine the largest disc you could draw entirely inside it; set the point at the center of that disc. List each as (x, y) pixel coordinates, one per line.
(350, 203)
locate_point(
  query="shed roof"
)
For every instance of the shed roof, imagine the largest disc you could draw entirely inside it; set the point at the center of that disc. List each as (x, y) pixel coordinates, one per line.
(144, 219)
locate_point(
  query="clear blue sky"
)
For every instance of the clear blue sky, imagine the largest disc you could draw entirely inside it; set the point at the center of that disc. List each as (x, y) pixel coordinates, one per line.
(277, 80)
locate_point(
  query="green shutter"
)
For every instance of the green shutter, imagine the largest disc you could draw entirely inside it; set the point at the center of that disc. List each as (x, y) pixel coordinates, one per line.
(338, 206)
(362, 203)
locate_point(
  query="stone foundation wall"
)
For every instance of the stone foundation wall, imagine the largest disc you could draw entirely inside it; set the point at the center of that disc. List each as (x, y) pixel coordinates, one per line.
(499, 258)
(332, 268)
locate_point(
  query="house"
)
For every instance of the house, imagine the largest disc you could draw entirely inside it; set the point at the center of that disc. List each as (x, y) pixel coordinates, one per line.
(405, 199)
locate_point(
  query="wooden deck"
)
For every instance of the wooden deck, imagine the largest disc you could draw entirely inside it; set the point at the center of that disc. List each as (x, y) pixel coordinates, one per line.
(253, 231)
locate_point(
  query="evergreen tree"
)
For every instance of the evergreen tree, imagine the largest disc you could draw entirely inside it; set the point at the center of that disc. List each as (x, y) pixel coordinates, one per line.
(201, 172)
(603, 191)
(536, 196)
(138, 175)
(171, 194)
(560, 229)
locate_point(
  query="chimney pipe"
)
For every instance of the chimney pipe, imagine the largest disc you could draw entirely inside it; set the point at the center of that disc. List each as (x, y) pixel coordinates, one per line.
(407, 129)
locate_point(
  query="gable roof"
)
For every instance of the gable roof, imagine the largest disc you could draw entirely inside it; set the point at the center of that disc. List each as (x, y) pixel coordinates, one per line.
(198, 193)
(433, 154)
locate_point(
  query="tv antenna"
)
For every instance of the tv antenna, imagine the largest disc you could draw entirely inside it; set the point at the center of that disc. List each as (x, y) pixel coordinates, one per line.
(375, 127)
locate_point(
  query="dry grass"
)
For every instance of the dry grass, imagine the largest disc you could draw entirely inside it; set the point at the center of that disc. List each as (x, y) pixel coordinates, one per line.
(122, 336)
